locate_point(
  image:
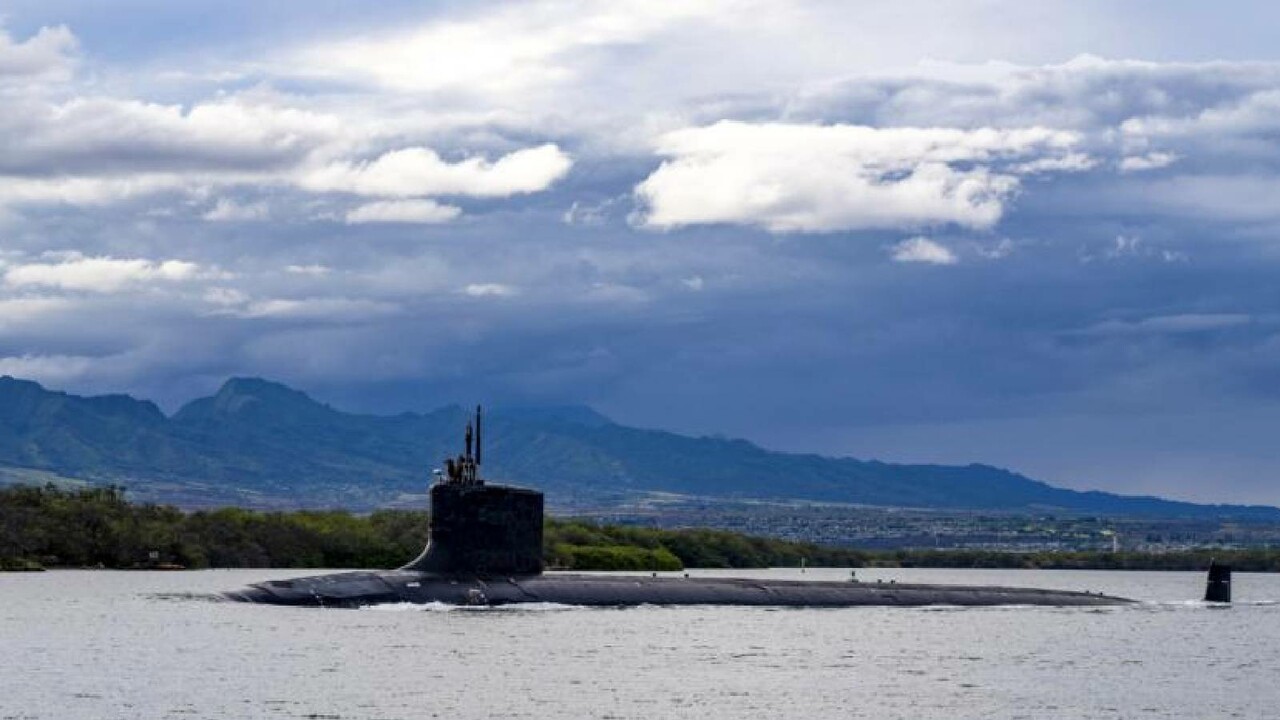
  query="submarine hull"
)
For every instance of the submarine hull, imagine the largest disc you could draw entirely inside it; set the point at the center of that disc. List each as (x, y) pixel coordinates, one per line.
(355, 589)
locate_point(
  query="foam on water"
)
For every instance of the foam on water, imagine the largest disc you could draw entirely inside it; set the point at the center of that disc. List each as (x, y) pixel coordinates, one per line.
(446, 607)
(1204, 604)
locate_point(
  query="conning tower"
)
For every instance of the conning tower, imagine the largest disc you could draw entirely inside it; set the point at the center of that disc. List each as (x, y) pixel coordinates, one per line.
(480, 529)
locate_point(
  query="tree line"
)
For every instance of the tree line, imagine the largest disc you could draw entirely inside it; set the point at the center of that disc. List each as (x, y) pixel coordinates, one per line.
(97, 527)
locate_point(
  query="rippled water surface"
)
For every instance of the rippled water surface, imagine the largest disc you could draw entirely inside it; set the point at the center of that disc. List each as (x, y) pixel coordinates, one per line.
(149, 645)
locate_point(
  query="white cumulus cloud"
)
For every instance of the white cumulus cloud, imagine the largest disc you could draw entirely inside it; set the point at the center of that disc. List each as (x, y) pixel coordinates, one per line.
(103, 274)
(504, 51)
(923, 250)
(1150, 161)
(489, 290)
(403, 211)
(419, 171)
(84, 191)
(816, 178)
(106, 136)
(96, 150)
(50, 52)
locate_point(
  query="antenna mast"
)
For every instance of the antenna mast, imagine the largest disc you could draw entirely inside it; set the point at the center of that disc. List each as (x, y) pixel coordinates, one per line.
(465, 469)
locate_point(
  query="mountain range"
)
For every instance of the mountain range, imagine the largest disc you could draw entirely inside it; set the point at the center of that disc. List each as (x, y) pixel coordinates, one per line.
(261, 444)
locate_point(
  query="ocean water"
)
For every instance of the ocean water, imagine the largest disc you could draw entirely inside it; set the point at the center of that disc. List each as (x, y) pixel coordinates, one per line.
(86, 644)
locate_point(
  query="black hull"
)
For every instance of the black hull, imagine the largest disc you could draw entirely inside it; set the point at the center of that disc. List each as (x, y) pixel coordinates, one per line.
(355, 589)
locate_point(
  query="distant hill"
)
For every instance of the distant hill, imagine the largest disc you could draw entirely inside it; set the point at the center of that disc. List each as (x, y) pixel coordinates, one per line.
(260, 444)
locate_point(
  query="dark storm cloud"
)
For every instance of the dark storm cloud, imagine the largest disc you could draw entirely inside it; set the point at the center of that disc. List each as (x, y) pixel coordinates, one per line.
(564, 217)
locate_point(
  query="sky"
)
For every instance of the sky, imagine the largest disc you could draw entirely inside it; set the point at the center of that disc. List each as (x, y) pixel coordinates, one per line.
(1043, 236)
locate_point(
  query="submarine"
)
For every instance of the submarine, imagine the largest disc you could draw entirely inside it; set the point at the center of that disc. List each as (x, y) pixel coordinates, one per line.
(484, 548)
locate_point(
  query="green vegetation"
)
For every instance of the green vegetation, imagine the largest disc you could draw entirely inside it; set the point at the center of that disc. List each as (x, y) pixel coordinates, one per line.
(97, 527)
(581, 545)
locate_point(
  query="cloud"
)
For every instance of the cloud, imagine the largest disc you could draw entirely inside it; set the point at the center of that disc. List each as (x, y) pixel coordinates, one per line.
(588, 214)
(822, 178)
(998, 250)
(1070, 162)
(15, 311)
(47, 368)
(489, 290)
(1192, 119)
(1150, 161)
(49, 54)
(1132, 247)
(227, 210)
(419, 171)
(333, 309)
(1169, 324)
(1085, 94)
(310, 270)
(505, 51)
(1245, 121)
(90, 149)
(98, 150)
(923, 250)
(86, 191)
(107, 136)
(403, 211)
(225, 297)
(1244, 196)
(805, 117)
(98, 274)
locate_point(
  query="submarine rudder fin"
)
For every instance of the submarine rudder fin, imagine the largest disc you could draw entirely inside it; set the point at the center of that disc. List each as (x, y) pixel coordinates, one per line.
(1218, 585)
